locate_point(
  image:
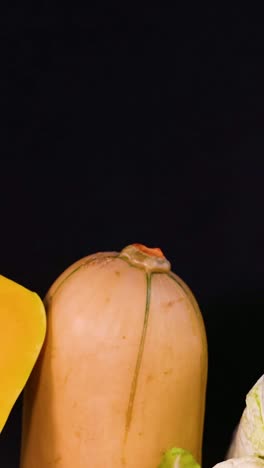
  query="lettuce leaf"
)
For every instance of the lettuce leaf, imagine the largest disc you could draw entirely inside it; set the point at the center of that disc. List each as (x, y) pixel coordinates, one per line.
(248, 439)
(242, 462)
(178, 458)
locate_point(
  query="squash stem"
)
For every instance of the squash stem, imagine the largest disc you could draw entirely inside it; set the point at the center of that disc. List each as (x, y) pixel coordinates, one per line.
(147, 258)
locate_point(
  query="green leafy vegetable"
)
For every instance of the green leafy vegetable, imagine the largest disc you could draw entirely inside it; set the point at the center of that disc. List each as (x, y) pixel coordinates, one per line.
(178, 458)
(242, 462)
(248, 439)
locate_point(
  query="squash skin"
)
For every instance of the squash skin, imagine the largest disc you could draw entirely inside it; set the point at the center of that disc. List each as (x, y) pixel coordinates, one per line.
(122, 374)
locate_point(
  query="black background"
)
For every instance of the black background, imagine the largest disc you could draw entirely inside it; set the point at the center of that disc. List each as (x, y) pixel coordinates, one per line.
(125, 126)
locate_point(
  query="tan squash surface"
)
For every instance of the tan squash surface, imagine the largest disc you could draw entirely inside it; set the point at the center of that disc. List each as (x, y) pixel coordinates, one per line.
(122, 374)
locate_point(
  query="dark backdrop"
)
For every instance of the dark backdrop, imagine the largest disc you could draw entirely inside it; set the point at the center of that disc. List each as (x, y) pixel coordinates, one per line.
(146, 126)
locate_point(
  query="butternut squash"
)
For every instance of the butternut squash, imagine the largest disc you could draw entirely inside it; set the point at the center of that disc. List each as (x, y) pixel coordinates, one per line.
(122, 374)
(22, 332)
